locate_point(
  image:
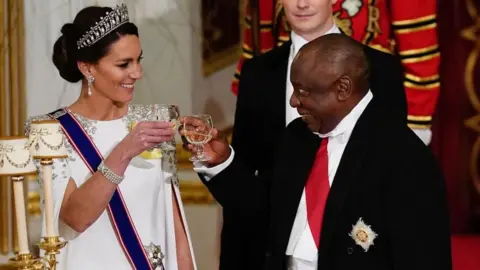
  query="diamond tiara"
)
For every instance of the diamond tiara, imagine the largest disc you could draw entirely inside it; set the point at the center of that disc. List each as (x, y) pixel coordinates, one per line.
(107, 24)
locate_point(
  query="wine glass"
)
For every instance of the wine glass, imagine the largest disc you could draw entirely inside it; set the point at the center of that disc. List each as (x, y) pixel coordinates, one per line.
(197, 130)
(167, 113)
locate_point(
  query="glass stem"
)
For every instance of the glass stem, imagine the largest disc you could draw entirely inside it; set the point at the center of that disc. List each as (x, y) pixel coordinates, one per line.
(199, 149)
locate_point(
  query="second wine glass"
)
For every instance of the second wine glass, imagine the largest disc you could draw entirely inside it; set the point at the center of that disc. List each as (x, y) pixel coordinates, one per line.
(198, 131)
(167, 113)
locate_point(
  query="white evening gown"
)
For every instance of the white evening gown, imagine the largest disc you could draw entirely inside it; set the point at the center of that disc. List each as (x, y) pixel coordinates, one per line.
(147, 189)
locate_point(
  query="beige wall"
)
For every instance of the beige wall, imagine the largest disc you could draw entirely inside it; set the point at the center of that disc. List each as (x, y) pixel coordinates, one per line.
(172, 65)
(172, 61)
(172, 46)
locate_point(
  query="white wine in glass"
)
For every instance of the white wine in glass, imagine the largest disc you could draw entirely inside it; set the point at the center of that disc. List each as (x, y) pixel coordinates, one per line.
(198, 132)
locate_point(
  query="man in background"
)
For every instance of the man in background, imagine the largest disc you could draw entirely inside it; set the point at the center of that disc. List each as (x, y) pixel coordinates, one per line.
(407, 28)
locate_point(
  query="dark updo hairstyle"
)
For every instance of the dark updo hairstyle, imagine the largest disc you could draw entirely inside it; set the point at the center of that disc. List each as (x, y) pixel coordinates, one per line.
(65, 52)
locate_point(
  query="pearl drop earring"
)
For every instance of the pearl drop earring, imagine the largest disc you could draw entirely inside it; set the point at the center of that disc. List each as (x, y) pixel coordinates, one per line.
(90, 80)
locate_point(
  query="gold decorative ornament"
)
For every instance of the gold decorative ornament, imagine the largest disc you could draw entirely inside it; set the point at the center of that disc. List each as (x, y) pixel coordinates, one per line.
(362, 236)
(470, 34)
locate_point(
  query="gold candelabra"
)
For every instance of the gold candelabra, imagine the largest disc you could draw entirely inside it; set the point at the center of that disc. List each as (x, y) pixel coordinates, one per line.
(46, 143)
(51, 246)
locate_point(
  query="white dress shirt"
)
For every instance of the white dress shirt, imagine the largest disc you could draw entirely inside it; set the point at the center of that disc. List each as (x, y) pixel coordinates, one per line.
(301, 246)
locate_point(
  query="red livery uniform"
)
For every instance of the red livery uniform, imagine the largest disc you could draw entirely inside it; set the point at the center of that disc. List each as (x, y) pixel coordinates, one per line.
(403, 27)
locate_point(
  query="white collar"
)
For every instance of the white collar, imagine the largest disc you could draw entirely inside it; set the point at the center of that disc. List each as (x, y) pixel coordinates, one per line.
(345, 127)
(298, 42)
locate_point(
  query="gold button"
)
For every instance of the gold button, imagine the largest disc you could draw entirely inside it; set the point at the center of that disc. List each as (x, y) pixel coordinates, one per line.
(362, 236)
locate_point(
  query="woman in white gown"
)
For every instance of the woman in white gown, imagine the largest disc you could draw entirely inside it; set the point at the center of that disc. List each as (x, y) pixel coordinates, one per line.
(107, 62)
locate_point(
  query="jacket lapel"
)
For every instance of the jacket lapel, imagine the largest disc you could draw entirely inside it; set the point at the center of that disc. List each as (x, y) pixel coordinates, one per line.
(347, 174)
(276, 82)
(292, 169)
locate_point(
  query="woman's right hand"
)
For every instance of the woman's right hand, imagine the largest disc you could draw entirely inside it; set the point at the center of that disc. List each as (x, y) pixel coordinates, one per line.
(146, 135)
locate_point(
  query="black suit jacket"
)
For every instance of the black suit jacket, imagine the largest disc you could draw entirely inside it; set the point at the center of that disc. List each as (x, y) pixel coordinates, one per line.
(260, 123)
(386, 176)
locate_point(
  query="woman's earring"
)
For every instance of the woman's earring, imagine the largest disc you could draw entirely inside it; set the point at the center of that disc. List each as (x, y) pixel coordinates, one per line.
(90, 80)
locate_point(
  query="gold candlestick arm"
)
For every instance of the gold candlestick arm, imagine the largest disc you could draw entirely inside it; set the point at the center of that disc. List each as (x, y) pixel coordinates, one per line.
(26, 262)
(51, 246)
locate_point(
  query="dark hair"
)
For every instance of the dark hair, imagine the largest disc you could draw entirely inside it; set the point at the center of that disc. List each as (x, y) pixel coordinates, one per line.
(65, 52)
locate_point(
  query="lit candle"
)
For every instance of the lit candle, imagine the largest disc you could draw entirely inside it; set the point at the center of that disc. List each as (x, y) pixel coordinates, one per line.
(20, 214)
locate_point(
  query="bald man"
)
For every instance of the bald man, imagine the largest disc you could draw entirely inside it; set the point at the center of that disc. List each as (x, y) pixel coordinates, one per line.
(343, 195)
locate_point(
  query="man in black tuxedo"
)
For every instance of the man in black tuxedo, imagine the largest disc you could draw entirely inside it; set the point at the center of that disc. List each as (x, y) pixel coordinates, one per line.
(342, 194)
(262, 110)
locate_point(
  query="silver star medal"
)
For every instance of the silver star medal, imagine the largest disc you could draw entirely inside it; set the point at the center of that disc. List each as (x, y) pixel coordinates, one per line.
(155, 256)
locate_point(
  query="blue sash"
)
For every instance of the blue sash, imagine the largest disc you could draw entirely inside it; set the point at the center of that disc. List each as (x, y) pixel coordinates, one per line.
(117, 210)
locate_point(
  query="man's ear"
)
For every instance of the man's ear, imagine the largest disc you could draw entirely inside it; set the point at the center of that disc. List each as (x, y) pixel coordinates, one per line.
(344, 88)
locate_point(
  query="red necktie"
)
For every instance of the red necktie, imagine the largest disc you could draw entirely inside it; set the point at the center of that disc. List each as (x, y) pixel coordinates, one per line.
(316, 191)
